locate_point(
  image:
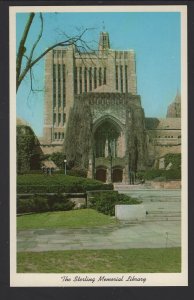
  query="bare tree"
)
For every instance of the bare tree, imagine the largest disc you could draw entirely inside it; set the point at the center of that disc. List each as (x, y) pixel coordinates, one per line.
(23, 68)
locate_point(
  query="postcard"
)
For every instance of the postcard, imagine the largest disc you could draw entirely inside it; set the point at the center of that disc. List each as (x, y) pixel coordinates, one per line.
(98, 117)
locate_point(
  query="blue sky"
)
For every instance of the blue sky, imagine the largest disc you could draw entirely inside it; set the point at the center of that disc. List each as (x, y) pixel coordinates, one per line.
(155, 37)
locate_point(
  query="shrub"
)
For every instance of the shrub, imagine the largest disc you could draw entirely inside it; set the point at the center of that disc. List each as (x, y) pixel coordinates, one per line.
(173, 174)
(39, 183)
(25, 206)
(59, 202)
(44, 203)
(77, 172)
(160, 175)
(105, 202)
(174, 158)
(40, 204)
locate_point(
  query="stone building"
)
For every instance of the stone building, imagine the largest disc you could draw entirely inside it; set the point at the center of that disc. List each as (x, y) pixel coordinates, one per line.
(122, 139)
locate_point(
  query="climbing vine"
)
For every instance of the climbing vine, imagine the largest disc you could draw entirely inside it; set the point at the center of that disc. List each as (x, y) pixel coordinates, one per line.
(78, 140)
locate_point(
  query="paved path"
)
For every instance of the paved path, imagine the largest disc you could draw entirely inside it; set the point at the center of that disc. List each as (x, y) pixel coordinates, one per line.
(162, 228)
(144, 235)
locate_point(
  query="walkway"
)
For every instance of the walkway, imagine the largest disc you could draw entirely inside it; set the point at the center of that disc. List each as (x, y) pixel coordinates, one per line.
(161, 228)
(144, 235)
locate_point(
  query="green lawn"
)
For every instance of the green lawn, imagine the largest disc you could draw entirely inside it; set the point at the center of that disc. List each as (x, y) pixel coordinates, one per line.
(71, 219)
(101, 261)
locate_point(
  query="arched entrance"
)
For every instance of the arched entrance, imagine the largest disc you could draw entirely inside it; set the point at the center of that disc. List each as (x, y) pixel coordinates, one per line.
(117, 175)
(106, 138)
(101, 174)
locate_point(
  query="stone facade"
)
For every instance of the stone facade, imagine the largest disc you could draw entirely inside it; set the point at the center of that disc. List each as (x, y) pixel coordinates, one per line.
(123, 140)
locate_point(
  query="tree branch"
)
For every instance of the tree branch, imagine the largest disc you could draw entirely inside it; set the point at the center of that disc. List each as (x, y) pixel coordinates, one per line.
(22, 48)
(71, 41)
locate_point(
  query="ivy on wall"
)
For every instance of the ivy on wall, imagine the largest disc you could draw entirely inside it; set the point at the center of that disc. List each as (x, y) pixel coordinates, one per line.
(79, 137)
(78, 142)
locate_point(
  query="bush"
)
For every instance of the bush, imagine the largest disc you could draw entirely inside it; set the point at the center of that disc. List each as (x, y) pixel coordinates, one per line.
(174, 158)
(44, 203)
(77, 172)
(39, 183)
(160, 175)
(105, 202)
(25, 206)
(40, 204)
(59, 202)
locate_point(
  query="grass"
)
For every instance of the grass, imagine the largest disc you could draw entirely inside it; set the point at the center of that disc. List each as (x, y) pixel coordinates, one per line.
(70, 219)
(167, 260)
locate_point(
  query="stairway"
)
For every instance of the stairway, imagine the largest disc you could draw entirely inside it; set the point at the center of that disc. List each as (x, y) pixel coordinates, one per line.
(160, 205)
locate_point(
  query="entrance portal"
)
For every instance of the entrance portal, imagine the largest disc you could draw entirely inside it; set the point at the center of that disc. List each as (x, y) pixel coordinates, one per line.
(101, 175)
(106, 139)
(117, 175)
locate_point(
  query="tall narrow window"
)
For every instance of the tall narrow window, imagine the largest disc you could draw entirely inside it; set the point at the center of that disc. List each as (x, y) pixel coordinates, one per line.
(100, 76)
(59, 118)
(80, 79)
(121, 76)
(104, 79)
(75, 80)
(90, 79)
(117, 81)
(64, 87)
(58, 53)
(54, 118)
(54, 85)
(95, 77)
(85, 80)
(59, 85)
(126, 80)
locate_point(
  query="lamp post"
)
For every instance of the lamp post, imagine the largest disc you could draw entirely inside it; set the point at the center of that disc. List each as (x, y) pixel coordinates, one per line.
(65, 165)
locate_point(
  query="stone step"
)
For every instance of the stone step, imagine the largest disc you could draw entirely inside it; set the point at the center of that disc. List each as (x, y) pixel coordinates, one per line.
(166, 213)
(150, 219)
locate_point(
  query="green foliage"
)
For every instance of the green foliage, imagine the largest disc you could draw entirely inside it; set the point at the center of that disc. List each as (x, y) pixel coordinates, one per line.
(39, 183)
(174, 158)
(27, 153)
(40, 203)
(25, 205)
(160, 175)
(44, 203)
(59, 202)
(105, 202)
(77, 172)
(78, 139)
(58, 158)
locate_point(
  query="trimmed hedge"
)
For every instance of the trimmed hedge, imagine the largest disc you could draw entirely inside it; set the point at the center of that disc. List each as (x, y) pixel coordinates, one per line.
(161, 175)
(44, 203)
(105, 202)
(39, 183)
